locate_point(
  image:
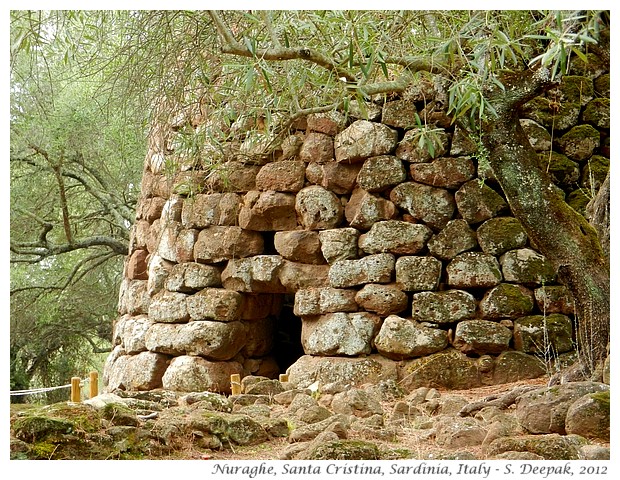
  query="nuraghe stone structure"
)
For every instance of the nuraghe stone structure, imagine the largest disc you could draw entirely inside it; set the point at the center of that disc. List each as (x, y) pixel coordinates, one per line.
(352, 242)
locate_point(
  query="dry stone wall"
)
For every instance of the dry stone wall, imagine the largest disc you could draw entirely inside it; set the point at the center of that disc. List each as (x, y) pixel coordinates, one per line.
(400, 263)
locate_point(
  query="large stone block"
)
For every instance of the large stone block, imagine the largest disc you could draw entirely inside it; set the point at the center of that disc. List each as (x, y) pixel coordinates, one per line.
(189, 277)
(216, 244)
(449, 369)
(401, 338)
(382, 299)
(294, 276)
(168, 307)
(133, 297)
(580, 142)
(394, 236)
(215, 304)
(212, 340)
(409, 148)
(527, 267)
(380, 173)
(544, 334)
(539, 137)
(159, 269)
(555, 299)
(167, 248)
(447, 306)
(143, 371)
(196, 374)
(478, 202)
(351, 371)
(233, 177)
(283, 176)
(445, 172)
(456, 237)
(339, 333)
(129, 333)
(317, 147)
(203, 210)
(318, 301)
(336, 177)
(377, 268)
(259, 338)
(399, 113)
(474, 270)
(364, 209)
(329, 123)
(433, 206)
(512, 366)
(339, 244)
(507, 301)
(136, 268)
(258, 274)
(318, 208)
(481, 337)
(363, 139)
(415, 274)
(268, 211)
(299, 246)
(184, 247)
(500, 234)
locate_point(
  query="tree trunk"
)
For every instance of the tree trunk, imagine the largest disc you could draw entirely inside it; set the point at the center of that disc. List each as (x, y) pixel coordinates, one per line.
(568, 241)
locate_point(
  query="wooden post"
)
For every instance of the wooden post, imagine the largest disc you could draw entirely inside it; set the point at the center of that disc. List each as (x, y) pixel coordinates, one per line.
(76, 394)
(94, 384)
(235, 384)
(284, 377)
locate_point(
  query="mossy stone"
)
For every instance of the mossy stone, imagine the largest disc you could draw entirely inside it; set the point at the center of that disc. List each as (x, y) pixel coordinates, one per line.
(597, 113)
(576, 89)
(559, 116)
(500, 234)
(601, 85)
(595, 172)
(593, 67)
(563, 170)
(580, 142)
(345, 450)
(543, 335)
(578, 200)
(507, 301)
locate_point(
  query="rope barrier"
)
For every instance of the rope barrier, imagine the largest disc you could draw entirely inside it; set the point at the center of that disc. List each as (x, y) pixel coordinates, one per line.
(76, 384)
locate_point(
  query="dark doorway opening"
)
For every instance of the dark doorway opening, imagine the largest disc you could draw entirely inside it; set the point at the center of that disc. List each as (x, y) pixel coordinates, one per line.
(287, 346)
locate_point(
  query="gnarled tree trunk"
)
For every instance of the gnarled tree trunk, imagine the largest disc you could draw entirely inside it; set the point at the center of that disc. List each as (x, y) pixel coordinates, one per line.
(558, 231)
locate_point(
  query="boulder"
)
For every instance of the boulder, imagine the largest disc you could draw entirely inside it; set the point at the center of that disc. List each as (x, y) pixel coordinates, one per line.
(433, 206)
(216, 244)
(394, 236)
(477, 202)
(459, 432)
(329, 123)
(456, 237)
(268, 211)
(364, 209)
(380, 173)
(215, 304)
(352, 371)
(401, 338)
(597, 113)
(318, 301)
(168, 307)
(317, 147)
(345, 450)
(399, 113)
(212, 340)
(377, 268)
(543, 334)
(549, 447)
(474, 270)
(461, 143)
(258, 274)
(339, 244)
(481, 337)
(233, 176)
(318, 208)
(363, 139)
(507, 301)
(357, 402)
(339, 178)
(168, 234)
(443, 307)
(381, 299)
(282, 176)
(554, 299)
(189, 373)
(294, 276)
(129, 333)
(539, 137)
(545, 410)
(134, 297)
(136, 267)
(409, 148)
(563, 171)
(189, 277)
(527, 267)
(449, 369)
(414, 274)
(500, 234)
(339, 333)
(143, 371)
(203, 210)
(299, 246)
(580, 142)
(444, 172)
(589, 416)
